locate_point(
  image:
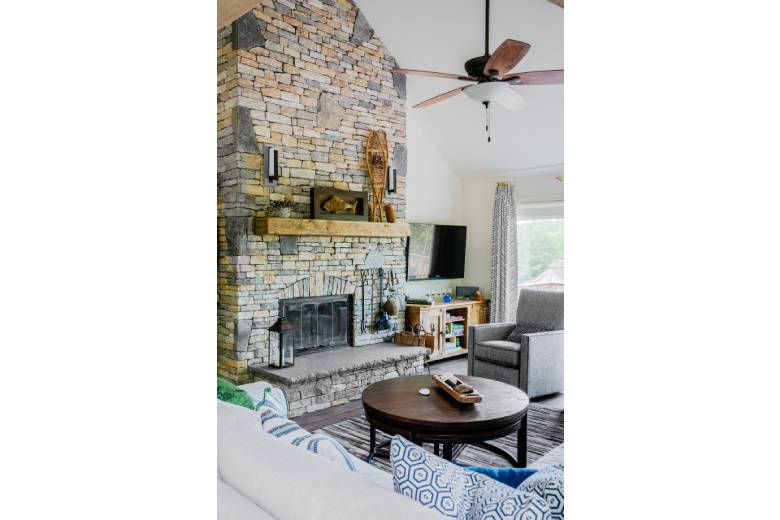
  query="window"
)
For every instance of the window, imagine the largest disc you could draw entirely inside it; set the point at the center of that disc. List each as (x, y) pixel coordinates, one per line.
(540, 246)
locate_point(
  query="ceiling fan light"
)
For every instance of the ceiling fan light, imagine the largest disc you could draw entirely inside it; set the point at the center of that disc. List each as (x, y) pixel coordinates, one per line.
(496, 92)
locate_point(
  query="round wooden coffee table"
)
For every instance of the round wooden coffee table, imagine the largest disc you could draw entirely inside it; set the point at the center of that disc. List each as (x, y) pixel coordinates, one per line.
(395, 406)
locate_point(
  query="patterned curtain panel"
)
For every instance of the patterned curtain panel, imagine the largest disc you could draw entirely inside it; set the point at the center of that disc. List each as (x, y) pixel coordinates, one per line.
(503, 272)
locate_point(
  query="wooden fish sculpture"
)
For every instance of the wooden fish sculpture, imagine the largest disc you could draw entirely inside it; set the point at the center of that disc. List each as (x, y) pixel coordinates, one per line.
(338, 205)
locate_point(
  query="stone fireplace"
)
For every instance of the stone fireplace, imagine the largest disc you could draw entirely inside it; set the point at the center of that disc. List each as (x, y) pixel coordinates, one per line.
(312, 79)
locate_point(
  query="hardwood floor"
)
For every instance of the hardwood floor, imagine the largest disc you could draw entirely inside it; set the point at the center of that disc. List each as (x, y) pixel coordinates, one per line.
(456, 365)
(321, 418)
(314, 420)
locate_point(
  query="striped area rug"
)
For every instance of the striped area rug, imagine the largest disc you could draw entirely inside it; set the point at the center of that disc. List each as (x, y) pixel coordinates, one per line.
(545, 432)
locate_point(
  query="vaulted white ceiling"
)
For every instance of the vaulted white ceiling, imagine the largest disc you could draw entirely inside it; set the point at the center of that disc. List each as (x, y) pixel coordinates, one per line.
(440, 35)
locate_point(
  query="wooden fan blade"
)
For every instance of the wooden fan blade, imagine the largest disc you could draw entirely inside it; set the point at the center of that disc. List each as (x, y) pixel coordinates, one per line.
(431, 74)
(537, 77)
(440, 97)
(506, 57)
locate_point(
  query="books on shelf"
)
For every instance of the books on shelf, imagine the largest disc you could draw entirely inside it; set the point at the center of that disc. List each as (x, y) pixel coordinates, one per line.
(456, 329)
(450, 346)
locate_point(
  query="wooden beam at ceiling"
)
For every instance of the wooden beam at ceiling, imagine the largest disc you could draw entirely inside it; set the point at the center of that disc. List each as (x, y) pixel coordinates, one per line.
(559, 3)
(230, 10)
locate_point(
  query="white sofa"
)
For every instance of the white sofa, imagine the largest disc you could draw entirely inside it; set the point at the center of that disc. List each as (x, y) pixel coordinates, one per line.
(261, 477)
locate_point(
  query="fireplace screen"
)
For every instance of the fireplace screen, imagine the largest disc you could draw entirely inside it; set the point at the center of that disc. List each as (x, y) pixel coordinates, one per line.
(323, 321)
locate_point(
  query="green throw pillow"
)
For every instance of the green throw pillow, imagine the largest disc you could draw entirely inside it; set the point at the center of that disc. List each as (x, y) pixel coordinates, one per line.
(230, 393)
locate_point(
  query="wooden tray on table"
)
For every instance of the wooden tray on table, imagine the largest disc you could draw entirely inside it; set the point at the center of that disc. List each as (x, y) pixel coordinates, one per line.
(473, 397)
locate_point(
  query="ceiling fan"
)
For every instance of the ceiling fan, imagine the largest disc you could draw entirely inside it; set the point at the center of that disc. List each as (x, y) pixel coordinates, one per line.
(489, 78)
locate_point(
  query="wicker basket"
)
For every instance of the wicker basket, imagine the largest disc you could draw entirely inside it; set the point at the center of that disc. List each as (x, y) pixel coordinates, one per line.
(409, 338)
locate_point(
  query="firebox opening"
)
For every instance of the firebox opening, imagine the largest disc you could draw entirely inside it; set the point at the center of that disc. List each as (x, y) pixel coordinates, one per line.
(321, 322)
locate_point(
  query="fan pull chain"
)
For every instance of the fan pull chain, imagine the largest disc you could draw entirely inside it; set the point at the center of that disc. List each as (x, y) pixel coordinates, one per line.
(487, 118)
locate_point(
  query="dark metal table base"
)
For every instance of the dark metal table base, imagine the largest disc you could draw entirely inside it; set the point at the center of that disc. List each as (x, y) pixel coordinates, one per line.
(378, 451)
(451, 451)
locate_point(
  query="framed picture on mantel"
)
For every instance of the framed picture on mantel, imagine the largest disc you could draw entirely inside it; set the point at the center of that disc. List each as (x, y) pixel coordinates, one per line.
(333, 204)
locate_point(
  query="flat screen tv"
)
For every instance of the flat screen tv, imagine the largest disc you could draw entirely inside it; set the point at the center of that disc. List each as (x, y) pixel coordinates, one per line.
(435, 252)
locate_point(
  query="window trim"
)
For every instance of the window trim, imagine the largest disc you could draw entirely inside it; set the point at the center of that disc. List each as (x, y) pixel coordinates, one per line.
(538, 210)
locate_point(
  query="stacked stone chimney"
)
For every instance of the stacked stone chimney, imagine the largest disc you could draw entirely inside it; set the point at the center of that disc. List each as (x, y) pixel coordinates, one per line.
(312, 79)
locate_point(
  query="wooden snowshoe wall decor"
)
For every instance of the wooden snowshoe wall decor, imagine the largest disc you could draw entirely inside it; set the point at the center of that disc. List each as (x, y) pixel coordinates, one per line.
(376, 160)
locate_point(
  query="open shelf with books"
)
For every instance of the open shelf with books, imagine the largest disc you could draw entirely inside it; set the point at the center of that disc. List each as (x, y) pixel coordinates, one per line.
(449, 323)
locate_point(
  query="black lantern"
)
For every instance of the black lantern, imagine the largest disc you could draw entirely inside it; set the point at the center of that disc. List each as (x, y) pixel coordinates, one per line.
(281, 351)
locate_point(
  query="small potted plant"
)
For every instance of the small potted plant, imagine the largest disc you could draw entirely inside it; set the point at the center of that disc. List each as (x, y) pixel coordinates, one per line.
(281, 208)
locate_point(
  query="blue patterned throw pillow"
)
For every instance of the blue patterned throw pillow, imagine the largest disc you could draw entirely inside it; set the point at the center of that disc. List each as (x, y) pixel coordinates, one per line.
(288, 431)
(547, 483)
(512, 477)
(455, 491)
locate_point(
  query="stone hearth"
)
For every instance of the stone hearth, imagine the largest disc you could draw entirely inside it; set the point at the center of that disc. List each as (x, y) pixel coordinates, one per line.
(335, 377)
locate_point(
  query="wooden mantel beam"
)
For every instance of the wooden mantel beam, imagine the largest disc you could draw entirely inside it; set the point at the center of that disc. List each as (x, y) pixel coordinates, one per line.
(230, 10)
(328, 228)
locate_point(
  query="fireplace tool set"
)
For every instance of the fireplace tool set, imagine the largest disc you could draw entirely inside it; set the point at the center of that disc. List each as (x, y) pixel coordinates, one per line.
(387, 307)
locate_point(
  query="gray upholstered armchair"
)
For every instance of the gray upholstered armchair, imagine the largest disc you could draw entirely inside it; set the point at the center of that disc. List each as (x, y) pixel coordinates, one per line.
(534, 360)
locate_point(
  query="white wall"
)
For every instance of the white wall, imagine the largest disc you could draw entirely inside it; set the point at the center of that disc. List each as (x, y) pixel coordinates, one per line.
(434, 194)
(478, 196)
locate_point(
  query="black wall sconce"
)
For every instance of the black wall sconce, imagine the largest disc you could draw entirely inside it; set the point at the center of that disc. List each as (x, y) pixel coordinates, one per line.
(391, 179)
(271, 165)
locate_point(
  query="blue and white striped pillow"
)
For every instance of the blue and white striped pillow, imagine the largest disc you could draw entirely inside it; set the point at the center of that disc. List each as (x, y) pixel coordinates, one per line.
(289, 431)
(275, 400)
(263, 394)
